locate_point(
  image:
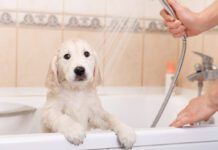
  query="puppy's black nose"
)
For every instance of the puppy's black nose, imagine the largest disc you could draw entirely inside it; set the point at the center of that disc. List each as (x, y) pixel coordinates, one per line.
(79, 71)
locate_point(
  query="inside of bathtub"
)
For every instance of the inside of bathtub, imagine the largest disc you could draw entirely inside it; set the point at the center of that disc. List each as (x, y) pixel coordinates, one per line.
(120, 102)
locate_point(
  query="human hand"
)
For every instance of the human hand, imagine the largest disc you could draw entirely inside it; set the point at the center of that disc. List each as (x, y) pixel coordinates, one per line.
(188, 23)
(199, 109)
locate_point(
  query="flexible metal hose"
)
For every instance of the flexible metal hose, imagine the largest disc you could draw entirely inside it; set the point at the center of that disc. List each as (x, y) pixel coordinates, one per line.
(173, 84)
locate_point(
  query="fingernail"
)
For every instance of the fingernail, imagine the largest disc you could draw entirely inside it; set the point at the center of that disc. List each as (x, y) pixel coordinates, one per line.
(173, 123)
(171, 1)
(171, 18)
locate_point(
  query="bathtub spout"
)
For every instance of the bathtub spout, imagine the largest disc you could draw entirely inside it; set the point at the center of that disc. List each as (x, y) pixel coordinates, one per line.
(204, 72)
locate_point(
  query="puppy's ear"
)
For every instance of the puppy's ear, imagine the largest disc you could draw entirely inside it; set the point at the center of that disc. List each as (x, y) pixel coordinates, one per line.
(97, 77)
(52, 82)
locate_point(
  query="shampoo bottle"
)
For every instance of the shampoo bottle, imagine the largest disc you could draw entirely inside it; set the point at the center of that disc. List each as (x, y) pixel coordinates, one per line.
(170, 73)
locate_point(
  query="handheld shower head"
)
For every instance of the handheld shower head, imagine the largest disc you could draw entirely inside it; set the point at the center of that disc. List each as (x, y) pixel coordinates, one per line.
(178, 70)
(168, 8)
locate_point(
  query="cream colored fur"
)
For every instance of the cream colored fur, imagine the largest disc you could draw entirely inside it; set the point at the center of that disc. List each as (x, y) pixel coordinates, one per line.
(73, 107)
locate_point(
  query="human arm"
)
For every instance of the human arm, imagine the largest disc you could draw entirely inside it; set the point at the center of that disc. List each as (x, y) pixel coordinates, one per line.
(189, 22)
(199, 109)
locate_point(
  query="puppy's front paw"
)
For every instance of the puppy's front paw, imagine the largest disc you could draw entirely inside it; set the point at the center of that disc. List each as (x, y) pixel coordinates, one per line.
(127, 137)
(74, 134)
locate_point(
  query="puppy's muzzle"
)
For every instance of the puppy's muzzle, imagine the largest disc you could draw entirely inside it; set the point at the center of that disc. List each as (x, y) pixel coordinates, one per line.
(80, 73)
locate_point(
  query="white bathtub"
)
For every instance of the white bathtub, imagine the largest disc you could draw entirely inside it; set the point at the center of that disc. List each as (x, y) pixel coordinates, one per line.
(135, 106)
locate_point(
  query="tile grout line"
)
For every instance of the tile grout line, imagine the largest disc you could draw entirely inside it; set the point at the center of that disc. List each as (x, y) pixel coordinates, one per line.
(203, 43)
(16, 49)
(63, 17)
(105, 36)
(143, 57)
(104, 61)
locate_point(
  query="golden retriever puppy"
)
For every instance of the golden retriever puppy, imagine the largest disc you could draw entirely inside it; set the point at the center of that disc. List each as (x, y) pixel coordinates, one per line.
(73, 105)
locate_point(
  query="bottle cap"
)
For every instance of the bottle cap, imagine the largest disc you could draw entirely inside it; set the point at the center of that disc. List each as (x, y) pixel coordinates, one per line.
(171, 67)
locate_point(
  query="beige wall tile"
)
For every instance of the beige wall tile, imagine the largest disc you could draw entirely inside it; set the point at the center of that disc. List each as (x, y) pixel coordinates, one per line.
(36, 47)
(194, 44)
(8, 4)
(94, 38)
(41, 5)
(211, 49)
(126, 8)
(159, 48)
(152, 9)
(123, 59)
(8, 56)
(211, 45)
(85, 7)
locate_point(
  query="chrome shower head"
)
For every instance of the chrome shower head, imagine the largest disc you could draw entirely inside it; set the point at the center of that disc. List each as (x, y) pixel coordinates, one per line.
(168, 8)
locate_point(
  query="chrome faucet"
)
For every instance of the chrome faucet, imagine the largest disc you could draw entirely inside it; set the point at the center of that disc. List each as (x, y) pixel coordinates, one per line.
(204, 72)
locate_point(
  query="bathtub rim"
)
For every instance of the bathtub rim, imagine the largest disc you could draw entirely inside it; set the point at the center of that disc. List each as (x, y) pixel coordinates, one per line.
(145, 137)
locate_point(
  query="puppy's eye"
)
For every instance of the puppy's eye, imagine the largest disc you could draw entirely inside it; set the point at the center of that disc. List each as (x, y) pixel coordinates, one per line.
(67, 56)
(86, 54)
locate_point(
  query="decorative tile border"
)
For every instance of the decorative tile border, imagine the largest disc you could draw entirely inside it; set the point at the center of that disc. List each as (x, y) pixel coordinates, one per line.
(84, 22)
(74, 22)
(39, 20)
(154, 26)
(71, 21)
(117, 24)
(7, 18)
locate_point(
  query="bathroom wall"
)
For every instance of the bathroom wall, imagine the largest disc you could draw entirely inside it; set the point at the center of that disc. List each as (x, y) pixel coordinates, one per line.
(32, 30)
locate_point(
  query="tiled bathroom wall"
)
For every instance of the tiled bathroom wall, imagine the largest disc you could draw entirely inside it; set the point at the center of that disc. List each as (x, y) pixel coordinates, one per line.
(129, 36)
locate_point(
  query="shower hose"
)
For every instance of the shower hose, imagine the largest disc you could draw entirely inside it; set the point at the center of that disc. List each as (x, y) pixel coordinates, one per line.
(173, 84)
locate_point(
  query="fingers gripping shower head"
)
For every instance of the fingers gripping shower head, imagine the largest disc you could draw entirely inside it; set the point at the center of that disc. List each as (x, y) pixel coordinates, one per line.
(167, 7)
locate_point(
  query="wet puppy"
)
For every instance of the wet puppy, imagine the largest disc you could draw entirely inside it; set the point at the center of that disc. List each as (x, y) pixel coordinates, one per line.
(73, 106)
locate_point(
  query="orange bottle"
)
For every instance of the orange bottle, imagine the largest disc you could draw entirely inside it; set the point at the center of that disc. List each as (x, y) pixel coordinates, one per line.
(170, 73)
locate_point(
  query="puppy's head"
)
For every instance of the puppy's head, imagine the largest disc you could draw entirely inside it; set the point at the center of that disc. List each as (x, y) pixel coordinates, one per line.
(76, 65)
